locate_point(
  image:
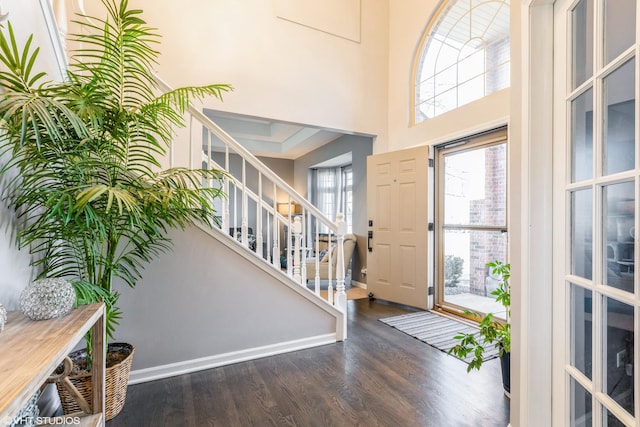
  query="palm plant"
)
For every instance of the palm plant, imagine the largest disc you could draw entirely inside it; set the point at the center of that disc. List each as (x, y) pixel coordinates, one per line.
(93, 201)
(492, 331)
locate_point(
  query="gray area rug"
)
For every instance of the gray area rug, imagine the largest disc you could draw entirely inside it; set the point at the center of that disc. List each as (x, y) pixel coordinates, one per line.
(436, 330)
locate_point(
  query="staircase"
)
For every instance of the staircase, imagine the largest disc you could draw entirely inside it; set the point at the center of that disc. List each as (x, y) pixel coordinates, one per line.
(195, 294)
(263, 214)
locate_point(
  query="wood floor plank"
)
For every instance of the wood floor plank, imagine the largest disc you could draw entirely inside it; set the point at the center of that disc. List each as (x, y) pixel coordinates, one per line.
(378, 377)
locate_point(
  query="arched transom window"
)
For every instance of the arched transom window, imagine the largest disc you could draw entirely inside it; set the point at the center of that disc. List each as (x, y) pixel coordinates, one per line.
(464, 56)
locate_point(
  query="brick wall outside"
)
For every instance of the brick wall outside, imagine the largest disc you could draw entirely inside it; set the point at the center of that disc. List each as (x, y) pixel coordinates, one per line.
(487, 246)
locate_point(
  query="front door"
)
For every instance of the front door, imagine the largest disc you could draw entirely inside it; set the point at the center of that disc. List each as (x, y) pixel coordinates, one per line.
(397, 212)
(471, 222)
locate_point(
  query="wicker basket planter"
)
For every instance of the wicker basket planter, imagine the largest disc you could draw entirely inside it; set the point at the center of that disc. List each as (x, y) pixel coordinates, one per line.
(116, 380)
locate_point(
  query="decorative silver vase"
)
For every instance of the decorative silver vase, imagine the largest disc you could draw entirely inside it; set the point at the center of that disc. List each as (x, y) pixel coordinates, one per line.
(47, 299)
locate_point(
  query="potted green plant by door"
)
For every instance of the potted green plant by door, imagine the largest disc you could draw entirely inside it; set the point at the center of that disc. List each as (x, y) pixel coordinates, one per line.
(93, 201)
(493, 332)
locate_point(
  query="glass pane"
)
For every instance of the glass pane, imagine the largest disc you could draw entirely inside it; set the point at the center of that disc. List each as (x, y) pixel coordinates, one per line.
(582, 52)
(581, 330)
(447, 57)
(426, 89)
(446, 101)
(610, 420)
(475, 186)
(467, 281)
(445, 80)
(619, 111)
(619, 236)
(581, 233)
(582, 137)
(581, 409)
(618, 353)
(425, 110)
(618, 14)
(471, 90)
(471, 66)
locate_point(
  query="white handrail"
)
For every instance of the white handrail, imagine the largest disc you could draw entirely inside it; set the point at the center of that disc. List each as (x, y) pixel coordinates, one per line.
(296, 225)
(237, 210)
(253, 160)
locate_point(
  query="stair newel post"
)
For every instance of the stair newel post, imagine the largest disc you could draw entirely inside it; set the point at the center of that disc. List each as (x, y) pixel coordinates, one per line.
(341, 296)
(297, 234)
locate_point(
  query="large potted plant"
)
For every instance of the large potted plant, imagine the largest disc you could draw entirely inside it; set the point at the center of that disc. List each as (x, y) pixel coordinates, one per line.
(93, 201)
(493, 332)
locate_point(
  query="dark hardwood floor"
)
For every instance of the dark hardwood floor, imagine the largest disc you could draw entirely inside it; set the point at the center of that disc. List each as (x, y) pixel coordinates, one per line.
(378, 377)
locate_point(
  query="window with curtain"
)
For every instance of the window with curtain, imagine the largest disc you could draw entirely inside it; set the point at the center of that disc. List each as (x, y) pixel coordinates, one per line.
(464, 56)
(331, 191)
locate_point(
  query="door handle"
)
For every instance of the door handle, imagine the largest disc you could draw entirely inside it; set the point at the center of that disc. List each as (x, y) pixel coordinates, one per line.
(369, 239)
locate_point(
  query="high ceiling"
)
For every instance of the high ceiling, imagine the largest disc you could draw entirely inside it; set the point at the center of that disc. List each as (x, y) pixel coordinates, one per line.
(271, 138)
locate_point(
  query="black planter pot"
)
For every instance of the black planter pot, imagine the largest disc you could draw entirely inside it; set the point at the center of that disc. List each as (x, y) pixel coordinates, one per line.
(505, 365)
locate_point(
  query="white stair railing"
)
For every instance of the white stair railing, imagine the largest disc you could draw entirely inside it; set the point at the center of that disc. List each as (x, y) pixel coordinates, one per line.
(262, 211)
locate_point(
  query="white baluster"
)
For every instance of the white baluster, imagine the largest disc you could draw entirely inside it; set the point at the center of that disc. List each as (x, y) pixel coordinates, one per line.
(330, 291)
(226, 215)
(258, 230)
(317, 276)
(289, 243)
(245, 206)
(341, 296)
(303, 249)
(268, 245)
(276, 233)
(235, 210)
(297, 234)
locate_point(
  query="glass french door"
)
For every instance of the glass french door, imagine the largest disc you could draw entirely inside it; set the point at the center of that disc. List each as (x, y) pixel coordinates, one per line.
(597, 177)
(472, 222)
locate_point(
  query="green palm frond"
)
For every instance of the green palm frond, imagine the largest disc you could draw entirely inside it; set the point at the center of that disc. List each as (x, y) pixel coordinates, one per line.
(117, 51)
(179, 99)
(20, 64)
(90, 196)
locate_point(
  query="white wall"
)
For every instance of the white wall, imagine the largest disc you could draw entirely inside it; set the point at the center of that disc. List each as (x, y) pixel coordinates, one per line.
(279, 69)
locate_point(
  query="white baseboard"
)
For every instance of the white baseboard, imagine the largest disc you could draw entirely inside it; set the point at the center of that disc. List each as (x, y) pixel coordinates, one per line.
(188, 366)
(358, 284)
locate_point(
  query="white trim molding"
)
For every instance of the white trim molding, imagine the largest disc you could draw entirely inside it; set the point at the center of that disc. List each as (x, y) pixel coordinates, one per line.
(188, 366)
(358, 284)
(532, 349)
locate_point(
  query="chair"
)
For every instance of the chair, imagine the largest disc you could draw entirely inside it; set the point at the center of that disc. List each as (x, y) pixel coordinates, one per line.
(251, 238)
(323, 266)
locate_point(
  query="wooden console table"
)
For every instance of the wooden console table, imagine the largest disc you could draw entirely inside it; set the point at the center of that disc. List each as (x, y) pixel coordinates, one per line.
(31, 350)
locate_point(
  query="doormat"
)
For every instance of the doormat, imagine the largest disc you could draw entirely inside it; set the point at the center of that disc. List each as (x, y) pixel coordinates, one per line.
(437, 331)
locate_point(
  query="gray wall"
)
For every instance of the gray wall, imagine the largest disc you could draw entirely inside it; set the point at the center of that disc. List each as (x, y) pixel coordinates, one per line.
(360, 147)
(283, 167)
(204, 299)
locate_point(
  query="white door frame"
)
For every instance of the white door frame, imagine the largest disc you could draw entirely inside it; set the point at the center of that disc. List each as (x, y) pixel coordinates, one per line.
(532, 125)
